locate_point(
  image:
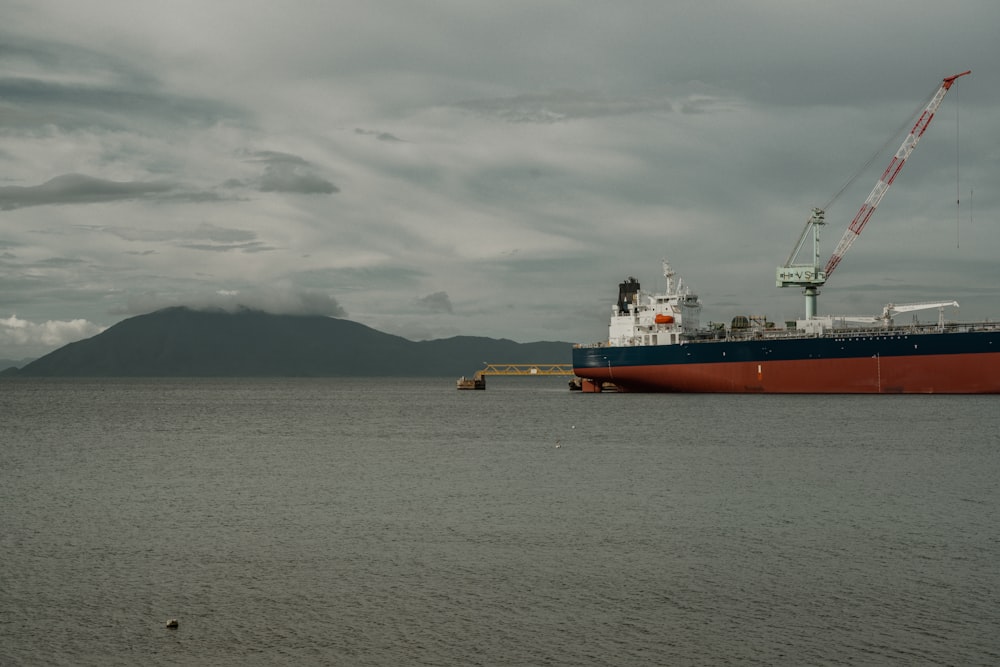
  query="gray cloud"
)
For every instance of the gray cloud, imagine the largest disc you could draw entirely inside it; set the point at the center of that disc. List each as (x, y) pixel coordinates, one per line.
(203, 231)
(75, 106)
(290, 173)
(562, 105)
(228, 247)
(78, 189)
(205, 237)
(78, 88)
(381, 136)
(291, 178)
(438, 302)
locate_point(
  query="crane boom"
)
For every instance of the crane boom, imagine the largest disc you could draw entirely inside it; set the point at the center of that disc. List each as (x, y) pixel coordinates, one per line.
(890, 173)
(810, 276)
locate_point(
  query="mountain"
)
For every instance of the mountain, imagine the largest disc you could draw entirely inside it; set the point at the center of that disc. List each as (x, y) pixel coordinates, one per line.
(16, 363)
(180, 342)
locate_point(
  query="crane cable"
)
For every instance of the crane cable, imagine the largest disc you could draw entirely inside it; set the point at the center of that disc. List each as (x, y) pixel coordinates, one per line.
(958, 184)
(881, 149)
(857, 173)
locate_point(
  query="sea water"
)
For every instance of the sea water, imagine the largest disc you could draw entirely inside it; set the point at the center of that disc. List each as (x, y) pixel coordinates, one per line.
(402, 522)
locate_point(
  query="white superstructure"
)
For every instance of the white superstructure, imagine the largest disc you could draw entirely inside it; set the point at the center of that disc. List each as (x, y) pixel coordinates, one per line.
(643, 318)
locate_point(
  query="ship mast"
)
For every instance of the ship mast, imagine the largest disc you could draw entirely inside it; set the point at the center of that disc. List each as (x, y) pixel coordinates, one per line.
(668, 275)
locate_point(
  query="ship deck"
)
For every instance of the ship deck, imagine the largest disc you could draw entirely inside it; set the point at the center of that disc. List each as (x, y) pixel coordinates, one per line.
(845, 333)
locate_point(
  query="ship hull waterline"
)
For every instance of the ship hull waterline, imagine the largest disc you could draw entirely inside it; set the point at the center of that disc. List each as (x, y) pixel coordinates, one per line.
(898, 366)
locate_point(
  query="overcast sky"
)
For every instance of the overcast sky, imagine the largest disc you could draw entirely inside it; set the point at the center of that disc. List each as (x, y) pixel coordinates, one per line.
(450, 167)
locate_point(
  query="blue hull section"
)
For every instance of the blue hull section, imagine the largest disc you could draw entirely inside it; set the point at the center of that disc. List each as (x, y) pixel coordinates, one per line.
(790, 349)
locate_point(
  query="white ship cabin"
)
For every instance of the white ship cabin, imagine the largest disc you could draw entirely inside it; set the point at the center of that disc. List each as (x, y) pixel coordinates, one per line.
(641, 318)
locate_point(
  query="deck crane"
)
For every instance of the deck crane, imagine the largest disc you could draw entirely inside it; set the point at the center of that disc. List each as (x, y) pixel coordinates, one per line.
(810, 276)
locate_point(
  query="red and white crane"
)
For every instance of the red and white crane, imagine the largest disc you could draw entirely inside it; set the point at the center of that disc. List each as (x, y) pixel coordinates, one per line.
(810, 276)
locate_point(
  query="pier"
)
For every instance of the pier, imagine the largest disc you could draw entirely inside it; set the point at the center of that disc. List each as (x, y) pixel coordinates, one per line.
(478, 380)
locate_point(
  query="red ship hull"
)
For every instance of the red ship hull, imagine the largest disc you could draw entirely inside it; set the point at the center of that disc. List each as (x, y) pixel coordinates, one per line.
(977, 373)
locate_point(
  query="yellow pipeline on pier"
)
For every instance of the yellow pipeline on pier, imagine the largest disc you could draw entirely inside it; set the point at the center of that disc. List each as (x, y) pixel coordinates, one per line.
(527, 369)
(478, 381)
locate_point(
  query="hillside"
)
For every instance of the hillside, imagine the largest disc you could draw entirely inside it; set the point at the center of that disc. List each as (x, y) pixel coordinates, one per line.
(180, 342)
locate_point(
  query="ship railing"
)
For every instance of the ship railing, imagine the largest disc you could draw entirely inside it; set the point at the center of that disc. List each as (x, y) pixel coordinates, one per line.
(860, 332)
(845, 332)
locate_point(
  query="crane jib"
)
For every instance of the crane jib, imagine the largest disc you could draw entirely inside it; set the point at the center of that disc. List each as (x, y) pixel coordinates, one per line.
(812, 277)
(890, 173)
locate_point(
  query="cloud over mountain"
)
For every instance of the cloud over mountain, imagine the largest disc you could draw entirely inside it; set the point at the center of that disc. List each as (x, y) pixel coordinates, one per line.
(273, 300)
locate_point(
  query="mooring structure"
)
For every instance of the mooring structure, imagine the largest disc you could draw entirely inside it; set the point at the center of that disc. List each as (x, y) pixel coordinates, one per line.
(478, 380)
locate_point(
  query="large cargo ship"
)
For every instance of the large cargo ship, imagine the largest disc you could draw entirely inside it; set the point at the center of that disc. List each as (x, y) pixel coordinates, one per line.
(656, 343)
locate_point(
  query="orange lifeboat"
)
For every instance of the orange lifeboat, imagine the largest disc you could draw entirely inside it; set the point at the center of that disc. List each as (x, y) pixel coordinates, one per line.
(664, 319)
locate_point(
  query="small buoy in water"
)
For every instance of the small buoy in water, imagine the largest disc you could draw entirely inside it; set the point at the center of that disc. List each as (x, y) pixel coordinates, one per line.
(172, 623)
(573, 426)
